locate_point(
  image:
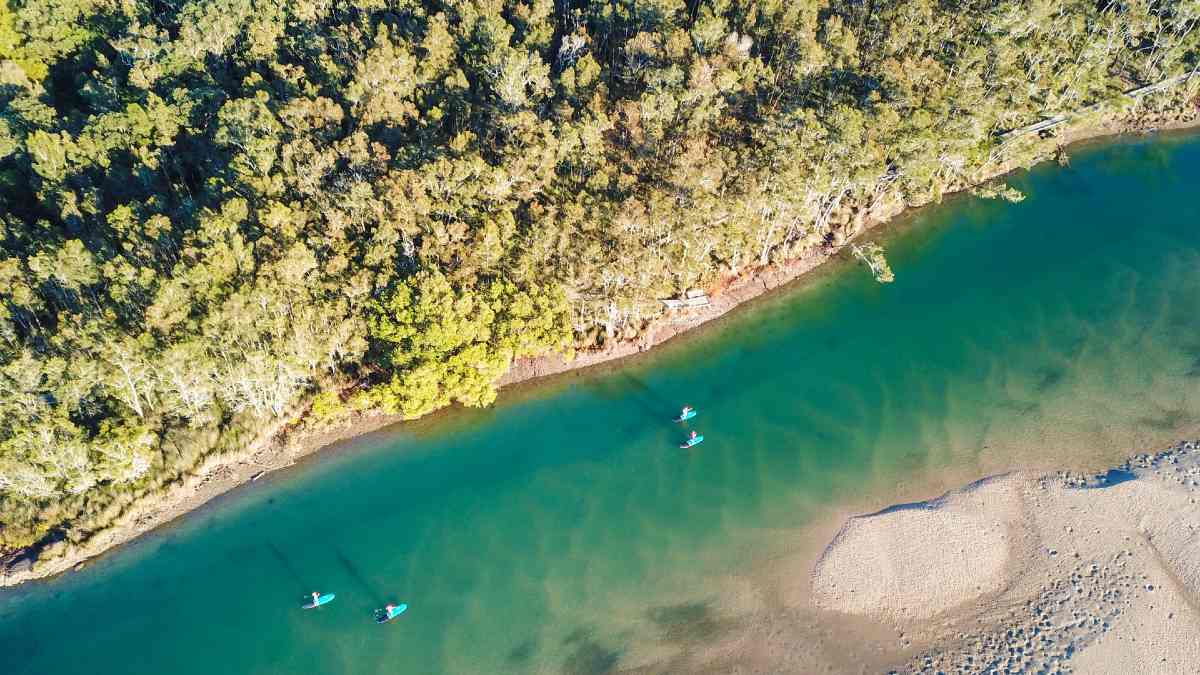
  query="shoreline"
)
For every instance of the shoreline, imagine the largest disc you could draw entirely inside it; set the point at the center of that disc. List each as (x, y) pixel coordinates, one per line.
(270, 451)
(1025, 570)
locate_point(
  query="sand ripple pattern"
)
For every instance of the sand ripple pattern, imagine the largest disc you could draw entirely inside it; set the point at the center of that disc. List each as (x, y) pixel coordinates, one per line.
(914, 561)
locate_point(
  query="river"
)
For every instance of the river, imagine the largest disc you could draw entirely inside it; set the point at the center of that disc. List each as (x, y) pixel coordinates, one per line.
(563, 531)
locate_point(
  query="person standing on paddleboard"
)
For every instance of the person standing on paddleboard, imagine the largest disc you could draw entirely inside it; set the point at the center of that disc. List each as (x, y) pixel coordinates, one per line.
(686, 409)
(316, 598)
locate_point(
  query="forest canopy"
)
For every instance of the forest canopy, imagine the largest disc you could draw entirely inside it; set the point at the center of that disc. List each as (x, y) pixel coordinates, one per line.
(216, 212)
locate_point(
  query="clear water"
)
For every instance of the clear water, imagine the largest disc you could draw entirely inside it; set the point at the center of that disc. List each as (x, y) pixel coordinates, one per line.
(563, 531)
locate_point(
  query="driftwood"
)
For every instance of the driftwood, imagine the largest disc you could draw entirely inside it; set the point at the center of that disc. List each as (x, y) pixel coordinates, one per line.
(693, 298)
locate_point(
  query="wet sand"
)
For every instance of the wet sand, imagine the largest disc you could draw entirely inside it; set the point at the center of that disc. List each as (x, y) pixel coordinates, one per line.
(1021, 572)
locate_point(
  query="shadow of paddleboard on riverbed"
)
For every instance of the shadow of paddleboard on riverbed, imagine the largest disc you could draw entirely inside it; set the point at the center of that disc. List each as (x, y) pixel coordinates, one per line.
(367, 587)
(651, 402)
(287, 565)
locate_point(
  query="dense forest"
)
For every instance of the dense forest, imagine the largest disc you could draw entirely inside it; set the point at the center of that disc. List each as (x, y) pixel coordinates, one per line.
(215, 214)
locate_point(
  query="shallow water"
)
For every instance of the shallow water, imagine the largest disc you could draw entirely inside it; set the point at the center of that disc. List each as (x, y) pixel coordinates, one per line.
(563, 531)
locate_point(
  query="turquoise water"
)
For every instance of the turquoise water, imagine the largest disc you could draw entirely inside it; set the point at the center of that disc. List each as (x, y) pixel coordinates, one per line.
(563, 531)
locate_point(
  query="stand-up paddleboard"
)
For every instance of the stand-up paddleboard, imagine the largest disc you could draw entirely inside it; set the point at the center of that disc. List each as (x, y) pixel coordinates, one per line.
(382, 615)
(321, 600)
(686, 416)
(692, 442)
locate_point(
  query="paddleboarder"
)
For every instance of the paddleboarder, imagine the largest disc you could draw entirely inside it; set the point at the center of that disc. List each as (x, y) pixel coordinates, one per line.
(389, 612)
(318, 600)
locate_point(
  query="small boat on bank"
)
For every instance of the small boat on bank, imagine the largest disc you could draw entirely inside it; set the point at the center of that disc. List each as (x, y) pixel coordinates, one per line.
(390, 612)
(319, 600)
(692, 442)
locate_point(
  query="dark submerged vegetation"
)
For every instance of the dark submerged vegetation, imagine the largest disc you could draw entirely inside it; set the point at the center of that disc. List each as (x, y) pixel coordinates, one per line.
(219, 213)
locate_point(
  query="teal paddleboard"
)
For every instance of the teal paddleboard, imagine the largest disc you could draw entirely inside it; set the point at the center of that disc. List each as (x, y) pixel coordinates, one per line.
(321, 600)
(382, 616)
(692, 442)
(687, 416)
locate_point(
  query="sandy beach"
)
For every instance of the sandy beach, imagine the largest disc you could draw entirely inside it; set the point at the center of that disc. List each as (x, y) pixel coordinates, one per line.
(1022, 573)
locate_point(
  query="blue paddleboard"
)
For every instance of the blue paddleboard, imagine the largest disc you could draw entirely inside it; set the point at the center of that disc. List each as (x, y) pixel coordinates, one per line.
(321, 600)
(381, 616)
